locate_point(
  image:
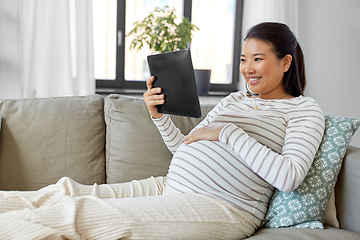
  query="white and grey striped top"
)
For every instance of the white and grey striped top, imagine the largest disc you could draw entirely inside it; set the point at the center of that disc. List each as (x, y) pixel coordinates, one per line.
(257, 150)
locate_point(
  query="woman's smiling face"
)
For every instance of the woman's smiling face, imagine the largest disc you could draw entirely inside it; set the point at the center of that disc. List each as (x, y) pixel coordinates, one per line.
(262, 69)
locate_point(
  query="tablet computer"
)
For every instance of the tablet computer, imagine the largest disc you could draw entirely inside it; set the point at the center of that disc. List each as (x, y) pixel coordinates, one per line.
(174, 73)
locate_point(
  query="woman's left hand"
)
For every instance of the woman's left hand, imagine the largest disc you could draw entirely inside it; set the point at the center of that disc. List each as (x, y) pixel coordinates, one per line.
(210, 132)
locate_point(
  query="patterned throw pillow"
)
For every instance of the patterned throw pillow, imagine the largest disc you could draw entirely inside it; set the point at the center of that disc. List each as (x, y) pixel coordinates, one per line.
(305, 206)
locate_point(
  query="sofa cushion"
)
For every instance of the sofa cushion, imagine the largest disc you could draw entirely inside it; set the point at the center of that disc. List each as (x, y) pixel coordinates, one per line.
(132, 135)
(305, 206)
(44, 139)
(303, 234)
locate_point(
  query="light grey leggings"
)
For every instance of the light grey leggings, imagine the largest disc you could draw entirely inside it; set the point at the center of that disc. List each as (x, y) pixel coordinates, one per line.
(134, 210)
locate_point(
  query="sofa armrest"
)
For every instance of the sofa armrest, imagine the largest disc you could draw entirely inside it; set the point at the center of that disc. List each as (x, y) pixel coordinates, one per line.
(347, 191)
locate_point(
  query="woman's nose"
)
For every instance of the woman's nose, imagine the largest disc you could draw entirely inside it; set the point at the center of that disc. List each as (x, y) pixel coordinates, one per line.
(248, 69)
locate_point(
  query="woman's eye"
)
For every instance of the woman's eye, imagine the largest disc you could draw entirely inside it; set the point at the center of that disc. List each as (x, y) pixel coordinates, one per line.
(258, 59)
(242, 60)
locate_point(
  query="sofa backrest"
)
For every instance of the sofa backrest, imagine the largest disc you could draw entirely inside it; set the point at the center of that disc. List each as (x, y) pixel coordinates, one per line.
(44, 139)
(347, 191)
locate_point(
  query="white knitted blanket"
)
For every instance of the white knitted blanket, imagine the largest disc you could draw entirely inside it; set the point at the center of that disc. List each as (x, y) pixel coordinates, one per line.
(54, 213)
(69, 210)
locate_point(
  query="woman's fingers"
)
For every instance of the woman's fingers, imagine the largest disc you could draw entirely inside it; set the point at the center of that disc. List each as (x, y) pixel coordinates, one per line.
(156, 100)
(149, 82)
(192, 137)
(150, 89)
(152, 97)
(210, 132)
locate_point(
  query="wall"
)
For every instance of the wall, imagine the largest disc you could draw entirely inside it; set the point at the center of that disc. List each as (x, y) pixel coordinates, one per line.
(329, 33)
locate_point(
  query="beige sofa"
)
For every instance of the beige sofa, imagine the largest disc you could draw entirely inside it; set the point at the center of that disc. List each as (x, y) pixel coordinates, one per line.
(97, 140)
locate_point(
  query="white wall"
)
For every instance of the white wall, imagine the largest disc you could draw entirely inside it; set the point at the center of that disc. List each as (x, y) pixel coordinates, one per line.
(329, 33)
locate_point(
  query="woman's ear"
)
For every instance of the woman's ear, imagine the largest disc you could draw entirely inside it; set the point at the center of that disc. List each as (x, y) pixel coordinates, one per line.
(287, 62)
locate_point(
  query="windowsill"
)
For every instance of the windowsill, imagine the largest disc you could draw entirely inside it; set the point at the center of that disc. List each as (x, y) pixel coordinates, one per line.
(208, 98)
(107, 91)
(141, 91)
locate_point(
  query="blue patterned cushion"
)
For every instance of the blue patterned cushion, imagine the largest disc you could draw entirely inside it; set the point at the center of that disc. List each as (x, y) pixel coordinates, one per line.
(305, 206)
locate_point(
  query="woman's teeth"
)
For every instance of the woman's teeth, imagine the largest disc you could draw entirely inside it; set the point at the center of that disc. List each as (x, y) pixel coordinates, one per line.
(254, 79)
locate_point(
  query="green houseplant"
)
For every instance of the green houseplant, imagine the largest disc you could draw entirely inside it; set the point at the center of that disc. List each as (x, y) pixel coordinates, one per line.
(160, 32)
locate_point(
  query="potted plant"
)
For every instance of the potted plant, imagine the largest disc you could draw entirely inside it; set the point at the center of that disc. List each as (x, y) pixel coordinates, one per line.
(160, 32)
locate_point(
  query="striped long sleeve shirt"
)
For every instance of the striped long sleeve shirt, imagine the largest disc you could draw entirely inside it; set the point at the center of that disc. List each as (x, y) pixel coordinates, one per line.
(257, 150)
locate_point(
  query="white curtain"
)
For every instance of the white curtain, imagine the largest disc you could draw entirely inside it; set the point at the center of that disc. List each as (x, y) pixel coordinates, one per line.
(257, 11)
(56, 48)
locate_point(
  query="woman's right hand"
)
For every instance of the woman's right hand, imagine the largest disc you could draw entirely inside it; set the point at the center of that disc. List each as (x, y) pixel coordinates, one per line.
(152, 97)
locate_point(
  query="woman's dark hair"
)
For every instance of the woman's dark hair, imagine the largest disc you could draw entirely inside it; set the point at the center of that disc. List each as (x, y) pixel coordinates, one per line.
(283, 42)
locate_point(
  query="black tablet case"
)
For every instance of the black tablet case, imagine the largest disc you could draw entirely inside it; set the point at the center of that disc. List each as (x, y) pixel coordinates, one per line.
(174, 73)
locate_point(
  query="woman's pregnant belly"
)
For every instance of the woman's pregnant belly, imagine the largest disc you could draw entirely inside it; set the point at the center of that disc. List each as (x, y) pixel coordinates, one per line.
(212, 168)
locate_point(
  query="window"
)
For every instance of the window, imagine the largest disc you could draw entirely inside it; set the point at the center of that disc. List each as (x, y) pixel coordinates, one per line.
(215, 46)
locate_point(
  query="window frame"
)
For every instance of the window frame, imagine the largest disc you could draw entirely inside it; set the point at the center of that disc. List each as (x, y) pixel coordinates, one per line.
(119, 84)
